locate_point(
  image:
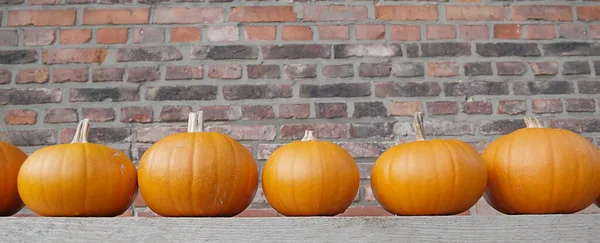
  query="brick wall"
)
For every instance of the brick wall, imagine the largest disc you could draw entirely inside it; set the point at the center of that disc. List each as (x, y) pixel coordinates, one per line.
(264, 71)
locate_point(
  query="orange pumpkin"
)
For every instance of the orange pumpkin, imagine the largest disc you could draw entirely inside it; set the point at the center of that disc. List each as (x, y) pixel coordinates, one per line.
(78, 179)
(428, 177)
(310, 178)
(198, 174)
(11, 158)
(537, 170)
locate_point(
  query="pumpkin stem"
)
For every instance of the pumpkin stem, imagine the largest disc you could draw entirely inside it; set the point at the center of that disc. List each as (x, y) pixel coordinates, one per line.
(308, 136)
(533, 122)
(81, 133)
(196, 121)
(419, 134)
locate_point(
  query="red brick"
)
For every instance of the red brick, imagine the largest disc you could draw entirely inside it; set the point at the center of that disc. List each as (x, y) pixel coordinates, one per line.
(108, 74)
(175, 113)
(511, 68)
(335, 13)
(331, 110)
(185, 34)
(253, 213)
(98, 16)
(474, 32)
(507, 31)
(225, 71)
(223, 33)
(299, 71)
(442, 69)
(541, 12)
(74, 55)
(334, 32)
(111, 36)
(20, 117)
(546, 106)
(370, 32)
(4, 76)
(362, 211)
(580, 105)
(475, 13)
(262, 14)
(572, 31)
(260, 33)
(38, 75)
(9, 38)
(369, 193)
(98, 114)
(217, 113)
(512, 107)
(38, 37)
(367, 149)
(406, 108)
(540, 32)
(296, 33)
(43, 2)
(588, 13)
(147, 35)
(75, 36)
(257, 112)
(165, 15)
(294, 111)
(595, 31)
(248, 132)
(143, 74)
(322, 131)
(405, 32)
(544, 68)
(265, 150)
(142, 114)
(477, 107)
(442, 108)
(61, 115)
(60, 17)
(407, 12)
(69, 75)
(441, 32)
(183, 72)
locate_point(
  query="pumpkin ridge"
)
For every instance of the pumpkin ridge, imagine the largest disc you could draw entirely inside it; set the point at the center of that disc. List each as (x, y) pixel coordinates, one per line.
(452, 202)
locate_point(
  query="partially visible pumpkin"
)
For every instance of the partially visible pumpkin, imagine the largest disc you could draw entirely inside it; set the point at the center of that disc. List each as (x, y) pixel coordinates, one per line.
(11, 158)
(537, 170)
(198, 174)
(310, 177)
(428, 177)
(78, 179)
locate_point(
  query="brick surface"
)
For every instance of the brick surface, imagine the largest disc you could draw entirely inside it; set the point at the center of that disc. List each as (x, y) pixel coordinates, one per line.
(75, 36)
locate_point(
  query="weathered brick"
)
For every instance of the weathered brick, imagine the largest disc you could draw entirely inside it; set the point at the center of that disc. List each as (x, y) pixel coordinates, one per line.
(367, 50)
(478, 69)
(20, 117)
(154, 53)
(196, 92)
(512, 107)
(412, 50)
(474, 32)
(111, 36)
(335, 13)
(175, 113)
(142, 114)
(217, 113)
(61, 115)
(69, 75)
(259, 91)
(597, 67)
(98, 114)
(155, 133)
(29, 137)
(18, 56)
(183, 72)
(331, 110)
(108, 74)
(322, 131)
(102, 16)
(438, 128)
(9, 38)
(295, 111)
(543, 87)
(588, 13)
(381, 130)
(262, 14)
(580, 105)
(540, 32)
(74, 55)
(544, 68)
(338, 71)
(37, 75)
(475, 13)
(101, 94)
(260, 33)
(4, 76)
(38, 37)
(101, 135)
(381, 69)
(508, 31)
(541, 12)
(594, 31)
(296, 33)
(405, 108)
(504, 49)
(405, 32)
(500, 127)
(442, 69)
(263, 71)
(147, 35)
(589, 87)
(265, 150)
(511, 68)
(475, 88)
(407, 89)
(190, 15)
(334, 32)
(449, 49)
(224, 52)
(11, 2)
(477, 107)
(576, 67)
(335, 90)
(49, 17)
(296, 51)
(299, 71)
(440, 32)
(576, 125)
(30, 96)
(369, 109)
(75, 36)
(408, 69)
(442, 108)
(541, 106)
(223, 33)
(143, 74)
(572, 49)
(370, 32)
(572, 31)
(406, 12)
(225, 71)
(186, 34)
(257, 112)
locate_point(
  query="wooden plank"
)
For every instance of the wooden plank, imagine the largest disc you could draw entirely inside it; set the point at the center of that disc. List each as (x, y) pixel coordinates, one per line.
(522, 228)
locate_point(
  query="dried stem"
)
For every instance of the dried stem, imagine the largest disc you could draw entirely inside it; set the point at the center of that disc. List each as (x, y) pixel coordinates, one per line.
(533, 122)
(308, 136)
(196, 122)
(419, 134)
(81, 133)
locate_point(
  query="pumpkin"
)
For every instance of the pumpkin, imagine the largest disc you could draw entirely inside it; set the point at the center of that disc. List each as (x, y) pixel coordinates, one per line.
(310, 177)
(198, 174)
(537, 170)
(78, 179)
(428, 177)
(11, 158)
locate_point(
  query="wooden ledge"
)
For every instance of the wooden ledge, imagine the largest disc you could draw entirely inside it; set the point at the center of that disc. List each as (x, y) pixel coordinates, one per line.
(520, 228)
